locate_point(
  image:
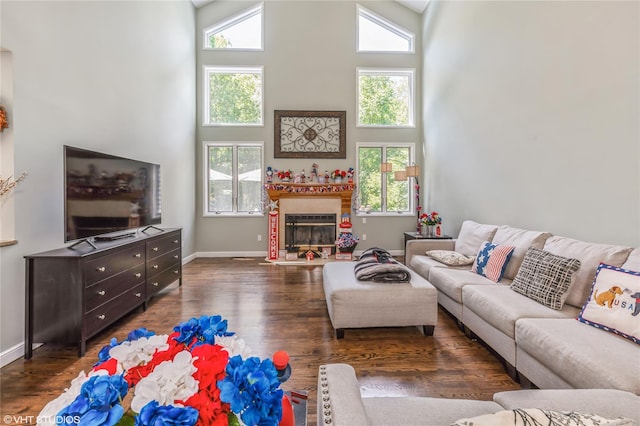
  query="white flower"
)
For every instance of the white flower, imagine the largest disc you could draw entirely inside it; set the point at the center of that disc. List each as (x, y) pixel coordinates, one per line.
(168, 382)
(138, 352)
(234, 345)
(48, 414)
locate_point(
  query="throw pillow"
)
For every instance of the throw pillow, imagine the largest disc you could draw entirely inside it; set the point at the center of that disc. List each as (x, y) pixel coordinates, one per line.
(472, 235)
(536, 416)
(492, 260)
(451, 258)
(545, 277)
(614, 303)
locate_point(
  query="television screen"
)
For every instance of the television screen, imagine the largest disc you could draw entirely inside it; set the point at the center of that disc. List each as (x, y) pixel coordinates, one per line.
(106, 194)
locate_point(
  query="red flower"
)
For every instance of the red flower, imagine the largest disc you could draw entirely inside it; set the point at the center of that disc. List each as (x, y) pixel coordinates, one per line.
(111, 365)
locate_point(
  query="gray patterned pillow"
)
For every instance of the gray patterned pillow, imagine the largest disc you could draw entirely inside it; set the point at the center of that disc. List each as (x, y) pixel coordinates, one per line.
(545, 277)
(451, 258)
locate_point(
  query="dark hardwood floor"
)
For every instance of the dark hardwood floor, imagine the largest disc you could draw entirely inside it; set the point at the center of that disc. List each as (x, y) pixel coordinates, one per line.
(272, 308)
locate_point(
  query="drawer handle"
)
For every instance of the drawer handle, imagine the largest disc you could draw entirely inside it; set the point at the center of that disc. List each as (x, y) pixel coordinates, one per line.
(175, 256)
(175, 241)
(138, 255)
(138, 275)
(101, 317)
(155, 249)
(102, 292)
(155, 266)
(155, 284)
(176, 272)
(138, 294)
(101, 269)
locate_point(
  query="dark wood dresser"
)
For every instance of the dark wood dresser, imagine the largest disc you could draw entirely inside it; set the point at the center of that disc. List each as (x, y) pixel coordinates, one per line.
(74, 293)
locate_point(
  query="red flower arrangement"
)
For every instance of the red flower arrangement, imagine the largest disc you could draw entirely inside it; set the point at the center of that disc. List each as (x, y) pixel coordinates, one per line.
(284, 174)
(338, 173)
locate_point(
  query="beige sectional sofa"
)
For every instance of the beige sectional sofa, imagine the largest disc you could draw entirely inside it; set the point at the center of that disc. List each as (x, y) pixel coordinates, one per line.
(341, 404)
(540, 345)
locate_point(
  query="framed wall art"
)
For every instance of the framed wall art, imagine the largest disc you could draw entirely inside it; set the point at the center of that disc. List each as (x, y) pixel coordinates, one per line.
(310, 134)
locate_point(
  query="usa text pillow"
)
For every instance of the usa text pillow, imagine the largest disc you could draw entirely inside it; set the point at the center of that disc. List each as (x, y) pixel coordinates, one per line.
(614, 303)
(492, 260)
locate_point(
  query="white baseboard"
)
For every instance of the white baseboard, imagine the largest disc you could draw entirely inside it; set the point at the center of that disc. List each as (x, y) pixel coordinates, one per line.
(14, 353)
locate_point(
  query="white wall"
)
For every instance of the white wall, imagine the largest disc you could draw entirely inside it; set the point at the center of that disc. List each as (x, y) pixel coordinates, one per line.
(116, 77)
(531, 116)
(309, 63)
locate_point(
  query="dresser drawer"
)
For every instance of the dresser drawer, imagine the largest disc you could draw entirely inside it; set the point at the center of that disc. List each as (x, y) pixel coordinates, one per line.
(163, 279)
(105, 290)
(162, 245)
(112, 264)
(106, 314)
(162, 262)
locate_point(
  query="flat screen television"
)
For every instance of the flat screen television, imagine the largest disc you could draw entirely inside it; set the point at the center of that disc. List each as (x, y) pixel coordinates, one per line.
(105, 194)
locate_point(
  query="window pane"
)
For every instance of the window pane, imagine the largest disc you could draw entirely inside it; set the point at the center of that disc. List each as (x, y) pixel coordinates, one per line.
(249, 179)
(397, 191)
(245, 34)
(220, 179)
(384, 100)
(235, 97)
(374, 35)
(369, 178)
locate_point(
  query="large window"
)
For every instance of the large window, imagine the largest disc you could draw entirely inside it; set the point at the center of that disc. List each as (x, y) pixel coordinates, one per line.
(243, 31)
(233, 96)
(379, 192)
(385, 97)
(233, 178)
(377, 34)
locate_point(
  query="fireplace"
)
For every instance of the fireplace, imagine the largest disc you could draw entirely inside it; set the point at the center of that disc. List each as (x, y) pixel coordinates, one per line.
(309, 231)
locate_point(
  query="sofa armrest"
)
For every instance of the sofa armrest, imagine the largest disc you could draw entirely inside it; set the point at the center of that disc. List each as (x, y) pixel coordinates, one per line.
(419, 247)
(339, 400)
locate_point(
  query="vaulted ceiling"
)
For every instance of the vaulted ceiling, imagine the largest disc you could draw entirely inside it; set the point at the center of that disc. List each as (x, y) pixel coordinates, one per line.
(417, 6)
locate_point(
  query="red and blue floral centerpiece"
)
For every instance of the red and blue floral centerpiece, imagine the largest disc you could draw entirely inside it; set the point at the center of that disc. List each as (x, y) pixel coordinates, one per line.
(201, 374)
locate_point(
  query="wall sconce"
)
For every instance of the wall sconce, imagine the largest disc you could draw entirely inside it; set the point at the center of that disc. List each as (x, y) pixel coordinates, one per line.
(386, 167)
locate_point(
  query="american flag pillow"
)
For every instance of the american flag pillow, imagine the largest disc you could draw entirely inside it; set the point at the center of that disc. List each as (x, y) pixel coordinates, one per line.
(492, 260)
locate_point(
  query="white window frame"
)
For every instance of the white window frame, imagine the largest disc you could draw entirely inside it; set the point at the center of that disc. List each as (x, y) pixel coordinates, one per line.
(230, 22)
(412, 191)
(207, 70)
(387, 25)
(410, 72)
(234, 178)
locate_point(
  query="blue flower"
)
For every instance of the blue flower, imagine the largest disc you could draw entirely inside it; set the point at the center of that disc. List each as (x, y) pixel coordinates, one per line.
(103, 355)
(154, 414)
(251, 387)
(98, 402)
(138, 333)
(204, 329)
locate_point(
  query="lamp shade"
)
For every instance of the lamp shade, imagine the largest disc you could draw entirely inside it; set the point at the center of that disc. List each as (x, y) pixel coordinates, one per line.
(413, 171)
(400, 175)
(386, 167)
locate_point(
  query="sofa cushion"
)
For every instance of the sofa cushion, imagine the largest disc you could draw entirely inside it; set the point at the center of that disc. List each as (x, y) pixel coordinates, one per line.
(492, 260)
(537, 416)
(606, 402)
(584, 356)
(472, 235)
(633, 261)
(521, 239)
(450, 257)
(451, 281)
(614, 303)
(590, 256)
(545, 277)
(501, 307)
(420, 411)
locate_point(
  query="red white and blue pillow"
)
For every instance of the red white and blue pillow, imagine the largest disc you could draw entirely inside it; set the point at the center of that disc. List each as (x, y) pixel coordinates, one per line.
(492, 260)
(614, 303)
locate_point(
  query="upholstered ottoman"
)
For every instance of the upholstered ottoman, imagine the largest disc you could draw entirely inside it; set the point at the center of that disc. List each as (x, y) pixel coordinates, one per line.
(361, 304)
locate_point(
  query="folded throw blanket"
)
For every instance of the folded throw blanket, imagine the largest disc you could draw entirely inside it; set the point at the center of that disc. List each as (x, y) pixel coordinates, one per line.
(376, 264)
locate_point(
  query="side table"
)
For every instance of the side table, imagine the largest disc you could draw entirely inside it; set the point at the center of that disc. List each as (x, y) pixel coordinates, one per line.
(419, 236)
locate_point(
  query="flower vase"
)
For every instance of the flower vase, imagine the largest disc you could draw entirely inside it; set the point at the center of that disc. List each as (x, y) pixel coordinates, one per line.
(337, 179)
(285, 179)
(427, 230)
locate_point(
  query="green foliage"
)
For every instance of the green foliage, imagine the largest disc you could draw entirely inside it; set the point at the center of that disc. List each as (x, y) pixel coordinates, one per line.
(383, 100)
(218, 41)
(370, 179)
(235, 98)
